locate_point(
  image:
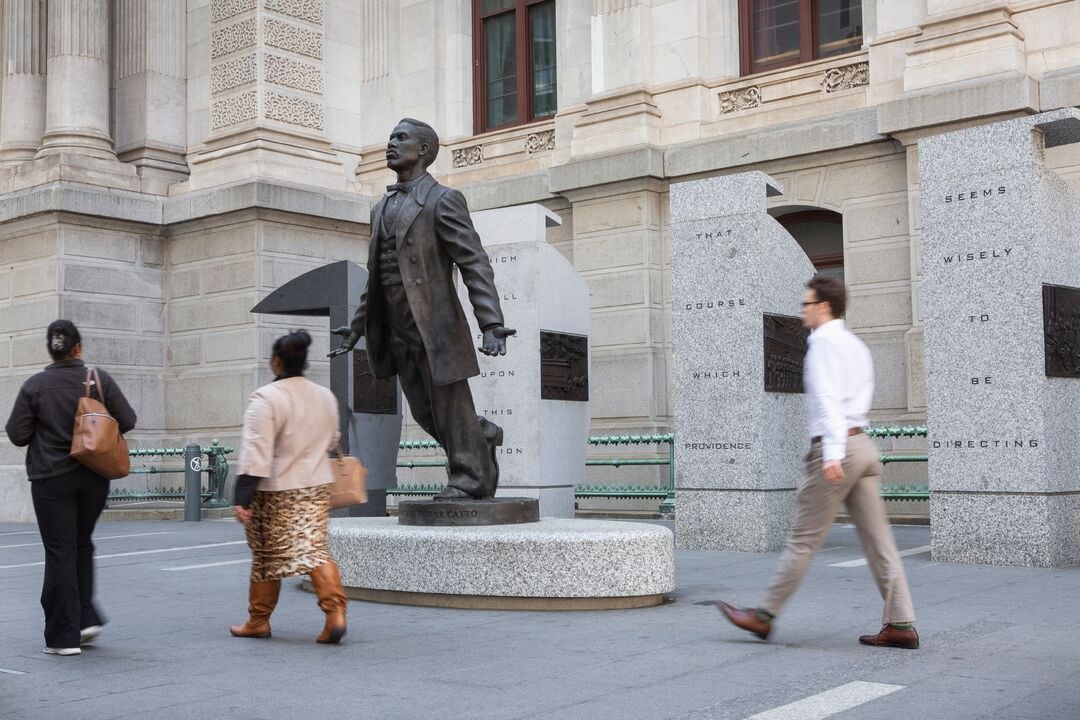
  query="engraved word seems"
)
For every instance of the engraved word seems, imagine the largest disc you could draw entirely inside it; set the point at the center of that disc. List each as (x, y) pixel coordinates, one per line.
(975, 194)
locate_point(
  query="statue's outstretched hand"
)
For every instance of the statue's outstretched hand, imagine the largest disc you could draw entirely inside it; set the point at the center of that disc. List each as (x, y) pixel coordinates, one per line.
(495, 340)
(348, 340)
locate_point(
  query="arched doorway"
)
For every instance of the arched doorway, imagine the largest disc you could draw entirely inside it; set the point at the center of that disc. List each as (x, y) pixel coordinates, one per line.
(820, 233)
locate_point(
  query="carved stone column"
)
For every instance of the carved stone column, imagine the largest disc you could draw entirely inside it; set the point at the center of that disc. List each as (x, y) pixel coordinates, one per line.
(267, 78)
(77, 109)
(22, 120)
(151, 89)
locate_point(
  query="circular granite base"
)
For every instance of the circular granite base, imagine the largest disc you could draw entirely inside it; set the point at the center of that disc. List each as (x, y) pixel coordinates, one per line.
(489, 511)
(553, 564)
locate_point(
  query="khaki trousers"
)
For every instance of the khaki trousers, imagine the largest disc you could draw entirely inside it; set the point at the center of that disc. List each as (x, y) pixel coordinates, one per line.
(816, 505)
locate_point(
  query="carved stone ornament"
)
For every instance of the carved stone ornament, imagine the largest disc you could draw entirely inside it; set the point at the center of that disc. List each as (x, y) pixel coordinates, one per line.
(293, 110)
(293, 38)
(225, 9)
(742, 99)
(540, 141)
(230, 38)
(310, 10)
(846, 77)
(464, 157)
(291, 73)
(234, 73)
(1061, 331)
(232, 110)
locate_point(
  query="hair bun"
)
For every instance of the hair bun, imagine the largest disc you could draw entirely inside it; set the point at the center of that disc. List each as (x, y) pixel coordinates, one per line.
(301, 338)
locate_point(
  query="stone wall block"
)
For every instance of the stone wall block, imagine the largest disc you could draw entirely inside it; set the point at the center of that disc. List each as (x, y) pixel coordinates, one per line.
(230, 346)
(611, 251)
(34, 279)
(28, 247)
(210, 314)
(100, 244)
(879, 262)
(34, 315)
(616, 383)
(5, 285)
(613, 290)
(201, 402)
(888, 219)
(612, 214)
(152, 317)
(99, 315)
(143, 351)
(203, 245)
(884, 307)
(30, 350)
(100, 279)
(152, 250)
(184, 283)
(184, 351)
(229, 276)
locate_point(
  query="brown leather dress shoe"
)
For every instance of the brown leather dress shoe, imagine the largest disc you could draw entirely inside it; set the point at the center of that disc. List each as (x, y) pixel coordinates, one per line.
(746, 619)
(893, 637)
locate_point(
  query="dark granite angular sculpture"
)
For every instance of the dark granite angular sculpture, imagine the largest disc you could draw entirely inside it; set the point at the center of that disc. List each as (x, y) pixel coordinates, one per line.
(410, 313)
(370, 409)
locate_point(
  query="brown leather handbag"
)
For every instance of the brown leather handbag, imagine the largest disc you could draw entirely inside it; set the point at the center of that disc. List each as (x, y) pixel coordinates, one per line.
(350, 480)
(96, 440)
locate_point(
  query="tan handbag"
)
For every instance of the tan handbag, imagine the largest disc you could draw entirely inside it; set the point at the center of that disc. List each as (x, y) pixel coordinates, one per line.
(96, 440)
(350, 479)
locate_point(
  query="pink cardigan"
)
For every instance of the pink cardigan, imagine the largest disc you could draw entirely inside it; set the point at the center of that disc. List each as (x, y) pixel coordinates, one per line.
(289, 427)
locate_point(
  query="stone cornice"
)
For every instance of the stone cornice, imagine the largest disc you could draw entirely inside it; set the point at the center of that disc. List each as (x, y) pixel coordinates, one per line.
(80, 199)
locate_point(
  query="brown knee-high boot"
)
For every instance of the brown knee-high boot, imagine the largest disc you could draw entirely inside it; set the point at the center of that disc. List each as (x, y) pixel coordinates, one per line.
(332, 601)
(262, 599)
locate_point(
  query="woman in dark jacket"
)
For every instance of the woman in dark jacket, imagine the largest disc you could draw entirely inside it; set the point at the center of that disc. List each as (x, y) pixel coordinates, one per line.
(68, 497)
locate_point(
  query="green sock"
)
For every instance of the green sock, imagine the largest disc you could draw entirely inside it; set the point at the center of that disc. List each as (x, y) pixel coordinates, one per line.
(764, 615)
(902, 626)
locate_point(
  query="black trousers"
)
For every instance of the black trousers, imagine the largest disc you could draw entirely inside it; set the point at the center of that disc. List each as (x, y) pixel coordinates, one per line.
(67, 508)
(446, 412)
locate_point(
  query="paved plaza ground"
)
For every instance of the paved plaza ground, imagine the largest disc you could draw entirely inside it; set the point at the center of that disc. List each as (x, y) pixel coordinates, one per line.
(997, 643)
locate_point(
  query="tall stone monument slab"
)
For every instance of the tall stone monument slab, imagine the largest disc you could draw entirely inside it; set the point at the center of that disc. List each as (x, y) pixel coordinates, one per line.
(1001, 295)
(737, 346)
(539, 391)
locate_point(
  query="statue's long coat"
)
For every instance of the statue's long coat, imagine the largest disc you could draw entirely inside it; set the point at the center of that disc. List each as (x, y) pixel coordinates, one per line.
(433, 233)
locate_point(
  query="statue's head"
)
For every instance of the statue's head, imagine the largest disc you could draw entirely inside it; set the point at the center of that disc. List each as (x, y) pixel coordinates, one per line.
(411, 142)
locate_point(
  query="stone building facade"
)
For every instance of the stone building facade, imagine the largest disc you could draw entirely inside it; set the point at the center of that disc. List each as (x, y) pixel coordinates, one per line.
(164, 164)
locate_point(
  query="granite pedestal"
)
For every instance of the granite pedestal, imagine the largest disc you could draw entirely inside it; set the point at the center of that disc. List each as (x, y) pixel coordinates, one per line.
(1001, 269)
(553, 564)
(737, 347)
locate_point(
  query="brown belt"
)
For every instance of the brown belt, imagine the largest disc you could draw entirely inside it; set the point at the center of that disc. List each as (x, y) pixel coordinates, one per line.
(850, 432)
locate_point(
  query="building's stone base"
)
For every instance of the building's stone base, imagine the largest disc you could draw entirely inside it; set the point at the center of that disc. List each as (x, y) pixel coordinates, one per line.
(745, 520)
(1032, 530)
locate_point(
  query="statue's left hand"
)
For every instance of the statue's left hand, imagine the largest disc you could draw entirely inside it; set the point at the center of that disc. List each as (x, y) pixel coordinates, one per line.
(495, 340)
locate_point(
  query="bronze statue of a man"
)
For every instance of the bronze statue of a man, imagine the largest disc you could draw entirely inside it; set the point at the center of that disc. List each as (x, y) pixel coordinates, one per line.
(411, 316)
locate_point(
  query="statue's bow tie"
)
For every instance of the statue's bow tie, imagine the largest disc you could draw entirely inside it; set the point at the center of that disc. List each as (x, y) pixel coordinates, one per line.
(396, 187)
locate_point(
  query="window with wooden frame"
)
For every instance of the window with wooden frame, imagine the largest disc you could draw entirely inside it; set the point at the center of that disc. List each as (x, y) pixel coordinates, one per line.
(778, 33)
(514, 79)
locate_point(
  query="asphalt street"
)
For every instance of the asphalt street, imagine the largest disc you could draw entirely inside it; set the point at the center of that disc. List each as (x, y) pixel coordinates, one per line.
(996, 643)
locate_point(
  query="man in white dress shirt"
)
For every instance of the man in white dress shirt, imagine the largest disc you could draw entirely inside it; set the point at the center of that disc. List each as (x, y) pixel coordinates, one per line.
(843, 466)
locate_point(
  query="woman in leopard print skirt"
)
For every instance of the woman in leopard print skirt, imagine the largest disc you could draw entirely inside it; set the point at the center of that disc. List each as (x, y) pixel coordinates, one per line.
(283, 490)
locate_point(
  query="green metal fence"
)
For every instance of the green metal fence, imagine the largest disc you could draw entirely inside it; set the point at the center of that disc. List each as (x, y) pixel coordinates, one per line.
(216, 468)
(666, 492)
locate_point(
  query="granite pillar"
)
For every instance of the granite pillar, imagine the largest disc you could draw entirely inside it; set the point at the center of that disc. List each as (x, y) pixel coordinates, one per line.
(77, 106)
(539, 391)
(737, 349)
(22, 107)
(1001, 289)
(151, 90)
